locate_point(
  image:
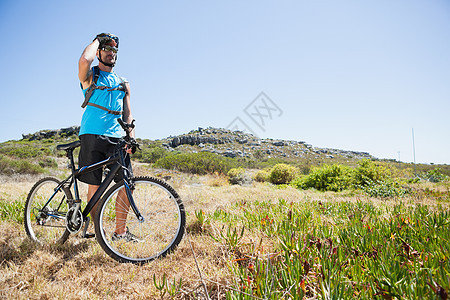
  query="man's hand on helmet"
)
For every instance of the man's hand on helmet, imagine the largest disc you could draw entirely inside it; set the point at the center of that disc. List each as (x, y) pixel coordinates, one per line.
(104, 38)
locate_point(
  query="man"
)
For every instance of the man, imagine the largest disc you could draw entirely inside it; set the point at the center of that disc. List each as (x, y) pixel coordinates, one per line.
(107, 97)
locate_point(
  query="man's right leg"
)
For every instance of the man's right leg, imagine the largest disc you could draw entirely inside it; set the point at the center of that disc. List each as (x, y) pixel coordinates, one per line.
(91, 191)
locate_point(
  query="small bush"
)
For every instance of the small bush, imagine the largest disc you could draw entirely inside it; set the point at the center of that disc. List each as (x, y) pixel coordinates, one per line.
(150, 155)
(327, 178)
(435, 176)
(236, 172)
(282, 174)
(413, 180)
(236, 175)
(368, 172)
(196, 163)
(18, 150)
(261, 176)
(48, 162)
(12, 166)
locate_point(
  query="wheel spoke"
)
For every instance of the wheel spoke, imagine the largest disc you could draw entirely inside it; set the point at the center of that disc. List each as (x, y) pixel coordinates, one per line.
(159, 233)
(45, 211)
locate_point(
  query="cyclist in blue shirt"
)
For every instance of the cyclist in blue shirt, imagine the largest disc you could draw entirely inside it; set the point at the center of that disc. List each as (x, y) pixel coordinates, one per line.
(107, 97)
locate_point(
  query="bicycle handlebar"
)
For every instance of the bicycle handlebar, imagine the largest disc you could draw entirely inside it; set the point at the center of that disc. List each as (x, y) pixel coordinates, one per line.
(128, 128)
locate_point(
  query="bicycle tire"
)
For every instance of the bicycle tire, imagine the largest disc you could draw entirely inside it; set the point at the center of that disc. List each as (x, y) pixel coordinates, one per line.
(48, 226)
(159, 233)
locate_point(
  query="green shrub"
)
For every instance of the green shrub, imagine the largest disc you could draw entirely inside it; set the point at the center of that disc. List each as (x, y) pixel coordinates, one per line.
(368, 172)
(12, 166)
(150, 155)
(48, 162)
(435, 176)
(196, 163)
(282, 174)
(261, 176)
(19, 150)
(236, 172)
(413, 180)
(236, 175)
(326, 178)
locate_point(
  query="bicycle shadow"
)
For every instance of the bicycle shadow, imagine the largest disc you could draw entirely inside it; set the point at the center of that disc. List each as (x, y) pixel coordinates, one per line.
(18, 253)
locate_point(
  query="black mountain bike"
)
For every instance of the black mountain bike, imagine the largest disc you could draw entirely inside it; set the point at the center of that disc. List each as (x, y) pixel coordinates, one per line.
(151, 209)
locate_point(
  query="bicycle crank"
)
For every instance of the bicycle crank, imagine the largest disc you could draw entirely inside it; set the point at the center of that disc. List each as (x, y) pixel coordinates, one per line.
(74, 226)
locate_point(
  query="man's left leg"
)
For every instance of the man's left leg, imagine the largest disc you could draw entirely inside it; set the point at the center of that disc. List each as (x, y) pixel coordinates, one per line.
(122, 208)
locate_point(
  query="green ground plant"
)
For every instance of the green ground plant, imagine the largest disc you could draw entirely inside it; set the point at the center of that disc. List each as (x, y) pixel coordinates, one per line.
(12, 210)
(338, 250)
(384, 189)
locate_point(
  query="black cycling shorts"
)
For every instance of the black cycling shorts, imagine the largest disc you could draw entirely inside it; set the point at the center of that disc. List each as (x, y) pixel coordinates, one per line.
(95, 148)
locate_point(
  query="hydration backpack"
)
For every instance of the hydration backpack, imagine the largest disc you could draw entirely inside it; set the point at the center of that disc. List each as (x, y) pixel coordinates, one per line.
(94, 86)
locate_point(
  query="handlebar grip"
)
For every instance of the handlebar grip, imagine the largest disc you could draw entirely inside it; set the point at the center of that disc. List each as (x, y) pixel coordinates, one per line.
(126, 126)
(122, 123)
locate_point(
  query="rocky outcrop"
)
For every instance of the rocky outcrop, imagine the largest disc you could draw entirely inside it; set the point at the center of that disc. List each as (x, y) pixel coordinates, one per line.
(212, 136)
(227, 143)
(239, 144)
(47, 134)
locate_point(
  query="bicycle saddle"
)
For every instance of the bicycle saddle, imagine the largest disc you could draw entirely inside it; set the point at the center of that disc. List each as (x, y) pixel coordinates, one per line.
(69, 146)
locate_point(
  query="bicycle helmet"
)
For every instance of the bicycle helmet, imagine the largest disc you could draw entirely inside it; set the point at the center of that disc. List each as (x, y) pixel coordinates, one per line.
(104, 39)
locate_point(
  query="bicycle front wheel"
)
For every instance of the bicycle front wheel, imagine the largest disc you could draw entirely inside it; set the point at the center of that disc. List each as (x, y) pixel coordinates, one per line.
(160, 231)
(45, 211)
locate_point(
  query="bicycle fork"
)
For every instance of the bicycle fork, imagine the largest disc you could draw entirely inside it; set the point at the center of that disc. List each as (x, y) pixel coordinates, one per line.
(132, 203)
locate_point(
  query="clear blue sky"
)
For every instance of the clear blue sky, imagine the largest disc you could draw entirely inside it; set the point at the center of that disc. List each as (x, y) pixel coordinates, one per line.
(353, 75)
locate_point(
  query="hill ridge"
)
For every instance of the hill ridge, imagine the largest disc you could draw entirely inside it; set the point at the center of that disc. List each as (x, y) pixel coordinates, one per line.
(227, 143)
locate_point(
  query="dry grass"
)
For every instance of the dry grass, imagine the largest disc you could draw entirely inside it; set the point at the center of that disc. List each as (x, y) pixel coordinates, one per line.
(79, 269)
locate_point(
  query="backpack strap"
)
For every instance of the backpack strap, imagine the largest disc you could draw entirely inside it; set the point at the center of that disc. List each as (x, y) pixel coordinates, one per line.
(114, 112)
(94, 86)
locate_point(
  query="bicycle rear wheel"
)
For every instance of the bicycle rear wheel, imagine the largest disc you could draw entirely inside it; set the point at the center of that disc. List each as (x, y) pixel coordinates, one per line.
(157, 235)
(45, 211)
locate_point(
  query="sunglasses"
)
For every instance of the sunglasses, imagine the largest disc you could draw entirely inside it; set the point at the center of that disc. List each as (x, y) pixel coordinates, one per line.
(110, 48)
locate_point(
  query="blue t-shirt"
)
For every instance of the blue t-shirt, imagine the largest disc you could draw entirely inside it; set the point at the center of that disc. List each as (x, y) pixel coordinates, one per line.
(98, 121)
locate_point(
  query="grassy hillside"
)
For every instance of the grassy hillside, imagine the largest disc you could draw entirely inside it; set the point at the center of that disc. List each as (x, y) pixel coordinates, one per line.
(36, 153)
(258, 227)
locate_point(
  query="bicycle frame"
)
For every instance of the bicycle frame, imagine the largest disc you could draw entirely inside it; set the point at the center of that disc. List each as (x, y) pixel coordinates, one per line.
(117, 162)
(54, 210)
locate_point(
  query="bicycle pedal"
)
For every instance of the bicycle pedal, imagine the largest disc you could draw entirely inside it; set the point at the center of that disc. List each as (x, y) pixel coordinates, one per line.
(85, 234)
(88, 235)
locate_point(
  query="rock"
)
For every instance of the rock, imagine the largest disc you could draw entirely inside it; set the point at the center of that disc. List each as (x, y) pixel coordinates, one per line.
(46, 134)
(229, 153)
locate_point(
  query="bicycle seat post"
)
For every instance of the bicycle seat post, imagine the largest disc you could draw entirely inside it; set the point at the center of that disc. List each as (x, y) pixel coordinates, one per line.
(69, 154)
